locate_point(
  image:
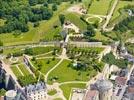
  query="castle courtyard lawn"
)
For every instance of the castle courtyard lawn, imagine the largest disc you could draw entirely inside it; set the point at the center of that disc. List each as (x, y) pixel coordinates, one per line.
(66, 88)
(45, 65)
(65, 73)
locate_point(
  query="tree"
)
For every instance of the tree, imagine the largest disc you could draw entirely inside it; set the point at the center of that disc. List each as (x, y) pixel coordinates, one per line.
(45, 4)
(96, 24)
(26, 80)
(41, 1)
(28, 51)
(54, 7)
(62, 19)
(2, 92)
(33, 2)
(1, 43)
(90, 32)
(36, 24)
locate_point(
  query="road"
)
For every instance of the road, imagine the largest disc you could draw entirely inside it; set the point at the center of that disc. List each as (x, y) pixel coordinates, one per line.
(109, 16)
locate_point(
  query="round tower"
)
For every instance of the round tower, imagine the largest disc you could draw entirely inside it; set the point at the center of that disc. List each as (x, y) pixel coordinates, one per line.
(105, 89)
(10, 95)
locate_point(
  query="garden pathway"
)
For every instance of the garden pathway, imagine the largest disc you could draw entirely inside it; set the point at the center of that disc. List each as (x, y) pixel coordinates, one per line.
(46, 76)
(109, 16)
(19, 70)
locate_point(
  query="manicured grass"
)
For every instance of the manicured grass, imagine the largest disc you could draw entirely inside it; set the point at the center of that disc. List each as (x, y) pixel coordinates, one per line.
(12, 50)
(52, 92)
(23, 69)
(99, 7)
(66, 88)
(93, 19)
(65, 73)
(75, 19)
(16, 71)
(58, 99)
(42, 50)
(34, 34)
(120, 5)
(45, 65)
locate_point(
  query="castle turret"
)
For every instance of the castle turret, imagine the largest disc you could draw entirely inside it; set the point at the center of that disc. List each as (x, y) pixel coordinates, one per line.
(105, 89)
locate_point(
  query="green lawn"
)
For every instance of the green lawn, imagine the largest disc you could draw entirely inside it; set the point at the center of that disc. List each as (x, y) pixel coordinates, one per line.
(12, 50)
(75, 19)
(42, 50)
(23, 69)
(52, 92)
(58, 99)
(65, 73)
(35, 34)
(16, 71)
(100, 7)
(67, 88)
(45, 66)
(93, 20)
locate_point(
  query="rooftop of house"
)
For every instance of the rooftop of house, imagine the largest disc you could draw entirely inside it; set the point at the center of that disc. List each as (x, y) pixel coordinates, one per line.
(36, 87)
(130, 90)
(120, 80)
(91, 94)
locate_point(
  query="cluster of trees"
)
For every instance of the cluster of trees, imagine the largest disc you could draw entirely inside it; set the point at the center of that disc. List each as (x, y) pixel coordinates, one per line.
(86, 59)
(86, 53)
(17, 15)
(90, 32)
(125, 25)
(26, 80)
(35, 2)
(110, 59)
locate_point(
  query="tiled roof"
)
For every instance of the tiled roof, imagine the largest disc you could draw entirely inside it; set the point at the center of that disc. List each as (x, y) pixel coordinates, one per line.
(130, 90)
(120, 80)
(91, 94)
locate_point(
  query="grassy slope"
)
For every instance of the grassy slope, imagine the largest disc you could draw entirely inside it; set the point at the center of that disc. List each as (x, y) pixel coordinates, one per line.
(67, 88)
(75, 19)
(99, 7)
(35, 34)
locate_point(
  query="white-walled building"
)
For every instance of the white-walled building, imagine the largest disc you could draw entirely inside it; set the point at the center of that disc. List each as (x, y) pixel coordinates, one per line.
(36, 92)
